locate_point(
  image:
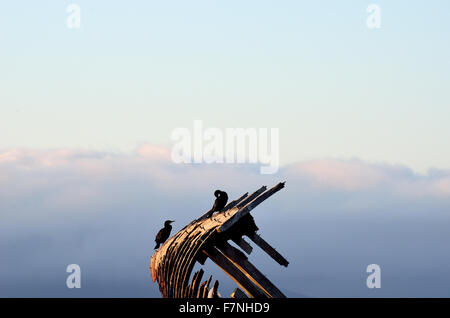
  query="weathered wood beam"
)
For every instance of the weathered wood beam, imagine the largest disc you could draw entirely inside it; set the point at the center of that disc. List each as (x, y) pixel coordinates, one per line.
(188, 288)
(248, 269)
(233, 203)
(201, 290)
(258, 240)
(206, 290)
(228, 267)
(237, 293)
(201, 258)
(195, 283)
(247, 248)
(252, 196)
(250, 206)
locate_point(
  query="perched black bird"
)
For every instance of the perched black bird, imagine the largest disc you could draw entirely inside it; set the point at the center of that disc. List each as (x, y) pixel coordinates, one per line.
(219, 204)
(163, 234)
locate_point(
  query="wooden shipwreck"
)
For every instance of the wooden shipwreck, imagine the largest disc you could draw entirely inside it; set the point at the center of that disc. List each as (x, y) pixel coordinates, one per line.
(171, 265)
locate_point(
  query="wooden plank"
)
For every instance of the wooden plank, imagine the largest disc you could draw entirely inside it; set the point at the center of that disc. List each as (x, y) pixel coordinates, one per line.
(248, 269)
(233, 203)
(228, 267)
(258, 240)
(201, 290)
(201, 258)
(237, 293)
(252, 196)
(250, 206)
(247, 248)
(196, 283)
(187, 291)
(205, 292)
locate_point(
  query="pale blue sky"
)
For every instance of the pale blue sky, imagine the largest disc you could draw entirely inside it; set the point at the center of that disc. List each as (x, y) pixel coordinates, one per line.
(138, 69)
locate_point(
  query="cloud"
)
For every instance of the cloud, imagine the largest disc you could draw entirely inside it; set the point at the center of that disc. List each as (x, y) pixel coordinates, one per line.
(153, 162)
(101, 210)
(347, 175)
(357, 175)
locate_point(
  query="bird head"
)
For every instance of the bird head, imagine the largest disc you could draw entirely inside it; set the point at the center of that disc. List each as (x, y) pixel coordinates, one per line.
(167, 223)
(217, 193)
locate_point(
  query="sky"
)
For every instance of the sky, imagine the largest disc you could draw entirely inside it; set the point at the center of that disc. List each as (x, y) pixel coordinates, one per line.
(134, 72)
(87, 114)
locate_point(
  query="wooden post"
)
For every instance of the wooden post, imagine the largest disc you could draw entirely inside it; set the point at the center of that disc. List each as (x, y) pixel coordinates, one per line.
(249, 270)
(205, 292)
(201, 290)
(188, 288)
(195, 283)
(247, 248)
(258, 240)
(228, 267)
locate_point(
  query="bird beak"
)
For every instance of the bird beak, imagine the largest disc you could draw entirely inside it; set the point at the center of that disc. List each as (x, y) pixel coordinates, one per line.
(172, 221)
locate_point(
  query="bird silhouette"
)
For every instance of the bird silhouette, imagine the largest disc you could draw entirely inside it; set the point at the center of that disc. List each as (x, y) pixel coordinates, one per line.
(163, 234)
(219, 204)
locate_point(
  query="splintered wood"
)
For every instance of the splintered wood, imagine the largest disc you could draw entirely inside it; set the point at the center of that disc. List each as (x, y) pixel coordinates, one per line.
(172, 264)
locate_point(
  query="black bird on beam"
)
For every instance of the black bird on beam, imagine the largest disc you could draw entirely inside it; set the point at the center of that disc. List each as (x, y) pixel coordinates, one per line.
(219, 204)
(163, 234)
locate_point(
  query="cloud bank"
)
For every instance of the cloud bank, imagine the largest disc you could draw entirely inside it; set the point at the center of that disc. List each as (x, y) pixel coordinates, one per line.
(102, 210)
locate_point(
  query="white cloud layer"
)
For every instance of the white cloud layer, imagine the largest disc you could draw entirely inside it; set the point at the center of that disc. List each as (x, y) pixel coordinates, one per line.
(101, 210)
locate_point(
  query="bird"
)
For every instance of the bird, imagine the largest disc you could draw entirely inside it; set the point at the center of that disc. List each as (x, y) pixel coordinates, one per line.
(219, 204)
(163, 234)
